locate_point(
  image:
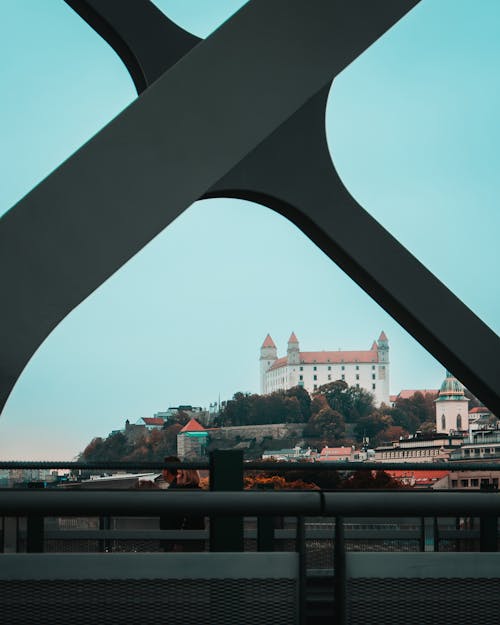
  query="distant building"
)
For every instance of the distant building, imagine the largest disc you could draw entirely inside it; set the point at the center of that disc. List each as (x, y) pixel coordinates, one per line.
(336, 454)
(420, 479)
(419, 448)
(193, 412)
(452, 407)
(367, 369)
(192, 441)
(152, 423)
(290, 455)
(409, 393)
(480, 446)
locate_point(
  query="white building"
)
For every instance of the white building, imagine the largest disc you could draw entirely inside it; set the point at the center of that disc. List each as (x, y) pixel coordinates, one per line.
(452, 407)
(365, 369)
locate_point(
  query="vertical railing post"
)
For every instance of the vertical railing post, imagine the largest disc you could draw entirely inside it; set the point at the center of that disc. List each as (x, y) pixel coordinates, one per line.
(265, 533)
(488, 533)
(226, 474)
(435, 527)
(488, 524)
(35, 533)
(429, 534)
(104, 524)
(10, 534)
(301, 549)
(340, 580)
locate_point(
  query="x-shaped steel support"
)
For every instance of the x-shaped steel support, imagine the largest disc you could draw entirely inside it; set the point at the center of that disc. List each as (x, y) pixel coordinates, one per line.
(239, 114)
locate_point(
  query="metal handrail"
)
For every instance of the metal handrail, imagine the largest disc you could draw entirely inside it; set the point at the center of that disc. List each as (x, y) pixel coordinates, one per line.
(255, 466)
(250, 503)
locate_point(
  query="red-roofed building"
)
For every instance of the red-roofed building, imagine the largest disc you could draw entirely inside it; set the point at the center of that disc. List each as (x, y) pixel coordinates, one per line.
(192, 426)
(367, 369)
(419, 479)
(152, 423)
(335, 454)
(479, 416)
(192, 441)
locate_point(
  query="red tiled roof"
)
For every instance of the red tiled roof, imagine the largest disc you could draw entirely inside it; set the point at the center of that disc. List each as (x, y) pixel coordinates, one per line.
(383, 336)
(268, 342)
(393, 398)
(293, 338)
(281, 362)
(153, 420)
(192, 426)
(335, 451)
(407, 393)
(420, 477)
(309, 358)
(477, 409)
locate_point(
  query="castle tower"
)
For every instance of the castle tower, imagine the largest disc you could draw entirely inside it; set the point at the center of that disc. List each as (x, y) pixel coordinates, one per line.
(268, 355)
(383, 348)
(293, 352)
(452, 407)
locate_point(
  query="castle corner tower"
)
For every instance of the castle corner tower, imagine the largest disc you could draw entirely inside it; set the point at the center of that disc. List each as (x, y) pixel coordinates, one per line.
(293, 352)
(268, 355)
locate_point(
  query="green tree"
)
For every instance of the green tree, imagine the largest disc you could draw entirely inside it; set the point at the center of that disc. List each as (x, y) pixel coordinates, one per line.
(278, 407)
(410, 413)
(304, 400)
(371, 426)
(327, 424)
(352, 402)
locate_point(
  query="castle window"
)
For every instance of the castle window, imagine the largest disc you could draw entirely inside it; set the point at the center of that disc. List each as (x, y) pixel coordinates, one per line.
(373, 386)
(315, 387)
(329, 377)
(357, 367)
(373, 376)
(301, 368)
(443, 422)
(373, 367)
(315, 377)
(357, 376)
(342, 367)
(459, 422)
(343, 376)
(315, 368)
(329, 368)
(301, 377)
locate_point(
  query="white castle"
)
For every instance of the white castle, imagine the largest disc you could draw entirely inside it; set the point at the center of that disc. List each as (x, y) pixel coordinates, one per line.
(365, 369)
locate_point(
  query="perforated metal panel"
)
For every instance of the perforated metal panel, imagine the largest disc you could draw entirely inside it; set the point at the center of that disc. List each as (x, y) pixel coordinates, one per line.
(423, 601)
(176, 602)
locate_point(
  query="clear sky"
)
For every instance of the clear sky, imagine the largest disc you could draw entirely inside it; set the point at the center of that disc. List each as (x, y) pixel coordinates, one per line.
(413, 129)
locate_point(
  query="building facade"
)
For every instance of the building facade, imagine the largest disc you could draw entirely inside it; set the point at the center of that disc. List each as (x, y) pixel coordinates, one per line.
(365, 369)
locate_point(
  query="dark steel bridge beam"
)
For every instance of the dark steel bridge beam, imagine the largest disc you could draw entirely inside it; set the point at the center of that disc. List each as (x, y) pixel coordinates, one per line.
(235, 119)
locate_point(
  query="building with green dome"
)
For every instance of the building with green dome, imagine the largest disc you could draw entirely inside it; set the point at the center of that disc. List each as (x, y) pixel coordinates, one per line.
(452, 407)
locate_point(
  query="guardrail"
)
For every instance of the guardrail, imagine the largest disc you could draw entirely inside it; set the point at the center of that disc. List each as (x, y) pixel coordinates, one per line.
(36, 504)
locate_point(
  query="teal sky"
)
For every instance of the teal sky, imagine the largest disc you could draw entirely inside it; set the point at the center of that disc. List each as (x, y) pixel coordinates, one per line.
(413, 130)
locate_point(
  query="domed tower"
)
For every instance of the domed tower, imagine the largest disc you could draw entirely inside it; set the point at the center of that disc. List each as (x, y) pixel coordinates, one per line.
(452, 407)
(268, 355)
(293, 352)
